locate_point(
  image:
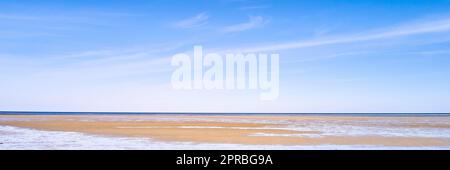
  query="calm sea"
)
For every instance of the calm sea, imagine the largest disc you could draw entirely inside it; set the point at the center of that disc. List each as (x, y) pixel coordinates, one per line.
(224, 114)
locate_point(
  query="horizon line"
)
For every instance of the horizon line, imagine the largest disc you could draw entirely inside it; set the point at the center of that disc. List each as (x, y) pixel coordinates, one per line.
(187, 113)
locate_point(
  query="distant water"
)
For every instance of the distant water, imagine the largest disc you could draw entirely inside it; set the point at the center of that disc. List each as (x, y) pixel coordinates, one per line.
(225, 114)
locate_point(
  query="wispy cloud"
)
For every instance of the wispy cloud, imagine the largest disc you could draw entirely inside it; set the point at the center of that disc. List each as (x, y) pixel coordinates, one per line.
(64, 17)
(411, 29)
(19, 17)
(254, 7)
(195, 21)
(25, 24)
(432, 52)
(254, 22)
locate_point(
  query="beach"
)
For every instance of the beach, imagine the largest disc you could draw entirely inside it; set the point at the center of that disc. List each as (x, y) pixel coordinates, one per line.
(197, 131)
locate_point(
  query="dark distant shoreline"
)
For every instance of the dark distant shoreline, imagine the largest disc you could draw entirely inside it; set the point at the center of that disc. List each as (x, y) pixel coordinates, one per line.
(221, 114)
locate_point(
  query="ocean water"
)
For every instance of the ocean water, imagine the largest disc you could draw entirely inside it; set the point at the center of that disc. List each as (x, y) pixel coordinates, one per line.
(225, 114)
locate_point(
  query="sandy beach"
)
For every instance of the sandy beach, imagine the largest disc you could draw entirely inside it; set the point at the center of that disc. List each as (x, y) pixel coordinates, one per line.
(250, 130)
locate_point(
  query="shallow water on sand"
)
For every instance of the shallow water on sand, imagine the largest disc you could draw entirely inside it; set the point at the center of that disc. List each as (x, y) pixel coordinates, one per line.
(24, 138)
(306, 127)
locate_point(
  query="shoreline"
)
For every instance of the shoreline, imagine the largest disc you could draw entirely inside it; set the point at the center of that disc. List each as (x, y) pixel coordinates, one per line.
(51, 140)
(250, 130)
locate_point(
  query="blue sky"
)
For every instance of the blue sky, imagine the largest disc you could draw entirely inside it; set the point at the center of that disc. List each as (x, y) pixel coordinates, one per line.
(335, 56)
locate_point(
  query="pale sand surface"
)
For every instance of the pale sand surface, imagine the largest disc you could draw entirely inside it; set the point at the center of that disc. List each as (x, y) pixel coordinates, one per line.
(248, 129)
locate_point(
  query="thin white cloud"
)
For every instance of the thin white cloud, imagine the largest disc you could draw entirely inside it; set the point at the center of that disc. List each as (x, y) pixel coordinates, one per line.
(253, 7)
(254, 22)
(410, 29)
(19, 17)
(195, 21)
(432, 52)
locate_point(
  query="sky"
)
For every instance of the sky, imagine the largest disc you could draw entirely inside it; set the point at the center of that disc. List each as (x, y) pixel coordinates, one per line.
(342, 56)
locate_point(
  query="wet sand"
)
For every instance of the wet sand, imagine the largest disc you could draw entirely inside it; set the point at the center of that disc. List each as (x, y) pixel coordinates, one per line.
(238, 129)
